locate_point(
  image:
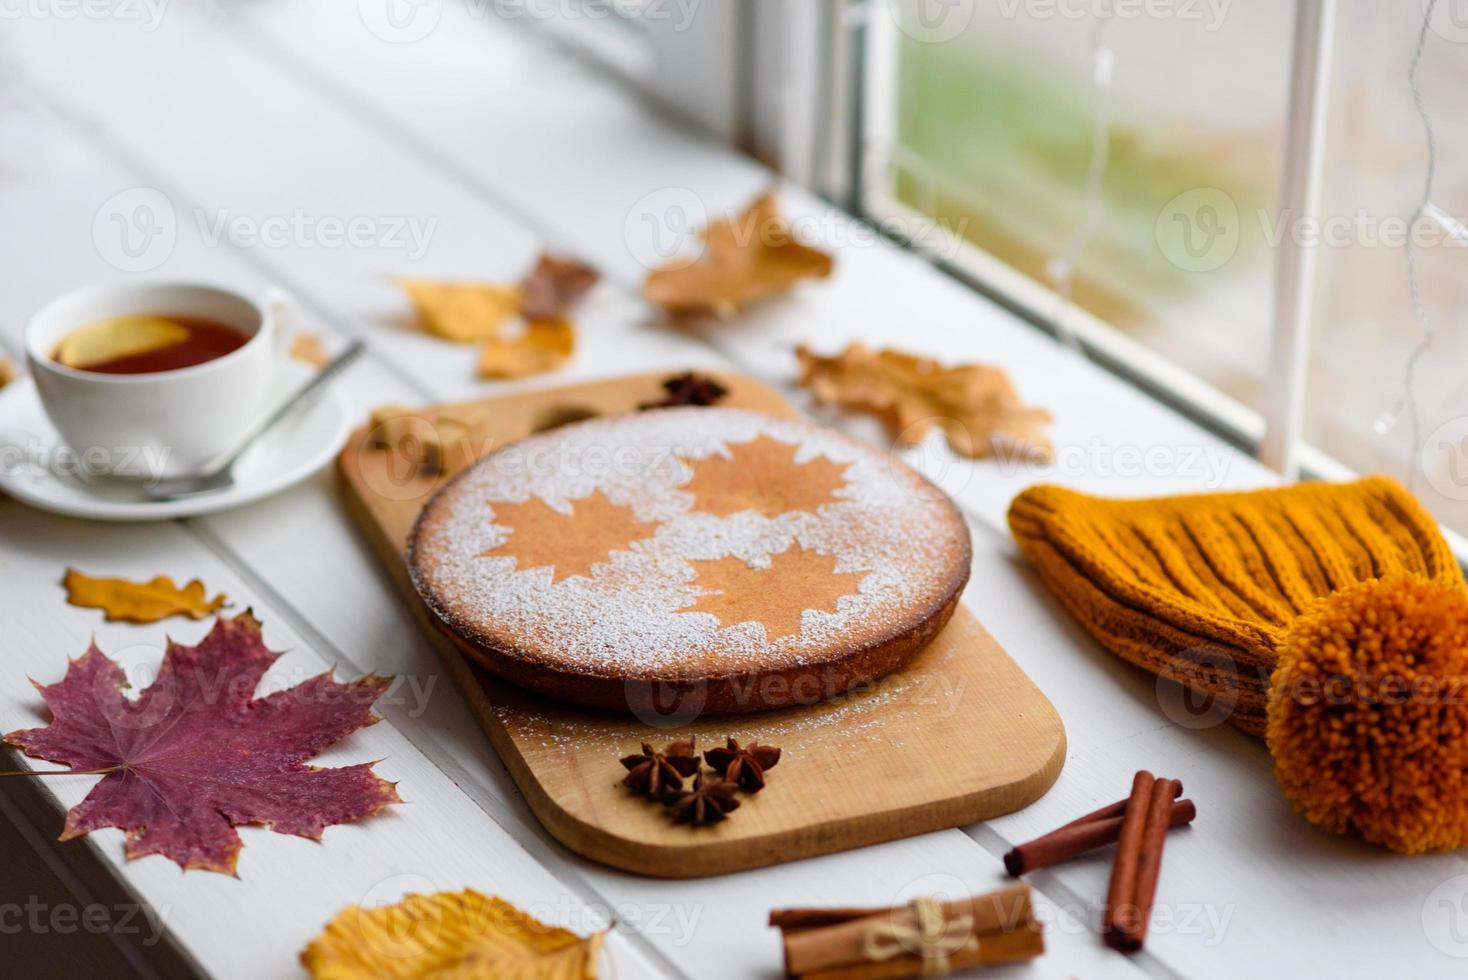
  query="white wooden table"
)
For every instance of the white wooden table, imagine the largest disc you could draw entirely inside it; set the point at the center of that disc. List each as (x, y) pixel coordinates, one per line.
(276, 109)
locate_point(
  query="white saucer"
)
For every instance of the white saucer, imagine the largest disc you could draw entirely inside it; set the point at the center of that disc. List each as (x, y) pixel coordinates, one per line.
(32, 459)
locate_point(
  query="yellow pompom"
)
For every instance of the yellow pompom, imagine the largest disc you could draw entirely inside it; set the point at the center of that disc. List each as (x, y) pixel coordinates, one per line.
(1368, 713)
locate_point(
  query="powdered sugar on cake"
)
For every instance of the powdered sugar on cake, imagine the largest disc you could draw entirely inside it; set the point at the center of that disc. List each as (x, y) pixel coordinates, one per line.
(631, 616)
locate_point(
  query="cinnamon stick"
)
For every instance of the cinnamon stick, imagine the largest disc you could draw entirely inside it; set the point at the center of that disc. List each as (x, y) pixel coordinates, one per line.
(1002, 921)
(1080, 836)
(1121, 894)
(793, 920)
(1022, 943)
(1109, 811)
(1133, 931)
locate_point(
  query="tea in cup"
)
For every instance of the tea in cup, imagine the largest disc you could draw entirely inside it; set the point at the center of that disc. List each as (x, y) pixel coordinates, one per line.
(152, 380)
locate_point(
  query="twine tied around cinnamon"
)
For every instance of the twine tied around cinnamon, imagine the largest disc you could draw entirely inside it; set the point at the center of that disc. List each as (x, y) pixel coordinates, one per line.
(934, 938)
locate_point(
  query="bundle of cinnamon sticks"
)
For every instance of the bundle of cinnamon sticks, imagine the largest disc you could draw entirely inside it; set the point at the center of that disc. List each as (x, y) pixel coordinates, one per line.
(1138, 825)
(924, 938)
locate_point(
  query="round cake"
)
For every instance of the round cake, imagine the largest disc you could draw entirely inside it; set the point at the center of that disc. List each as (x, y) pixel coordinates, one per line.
(693, 560)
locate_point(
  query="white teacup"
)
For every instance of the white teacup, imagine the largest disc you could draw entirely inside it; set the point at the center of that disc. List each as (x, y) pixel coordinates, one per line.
(169, 423)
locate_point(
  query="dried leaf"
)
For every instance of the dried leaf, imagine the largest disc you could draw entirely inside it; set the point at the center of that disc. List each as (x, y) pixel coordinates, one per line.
(974, 405)
(8, 371)
(554, 286)
(484, 313)
(197, 754)
(459, 935)
(307, 348)
(463, 312)
(543, 346)
(139, 602)
(745, 259)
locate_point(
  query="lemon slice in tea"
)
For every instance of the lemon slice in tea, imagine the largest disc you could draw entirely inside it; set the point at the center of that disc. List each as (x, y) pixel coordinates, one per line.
(118, 337)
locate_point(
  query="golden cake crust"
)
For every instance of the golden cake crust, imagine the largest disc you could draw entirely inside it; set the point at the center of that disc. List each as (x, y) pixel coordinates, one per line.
(698, 559)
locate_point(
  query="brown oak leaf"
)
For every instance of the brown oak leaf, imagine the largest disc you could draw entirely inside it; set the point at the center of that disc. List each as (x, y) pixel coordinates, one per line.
(197, 754)
(745, 259)
(139, 602)
(762, 475)
(974, 405)
(775, 597)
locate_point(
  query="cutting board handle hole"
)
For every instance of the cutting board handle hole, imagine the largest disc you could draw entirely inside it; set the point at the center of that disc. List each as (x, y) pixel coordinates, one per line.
(559, 415)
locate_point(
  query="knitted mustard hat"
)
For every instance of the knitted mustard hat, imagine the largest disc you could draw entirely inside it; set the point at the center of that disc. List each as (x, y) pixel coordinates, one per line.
(1332, 619)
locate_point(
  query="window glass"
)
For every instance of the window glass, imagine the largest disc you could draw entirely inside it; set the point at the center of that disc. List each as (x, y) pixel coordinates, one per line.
(991, 135)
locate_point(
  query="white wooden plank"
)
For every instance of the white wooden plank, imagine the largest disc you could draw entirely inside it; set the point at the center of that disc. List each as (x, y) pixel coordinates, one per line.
(1112, 439)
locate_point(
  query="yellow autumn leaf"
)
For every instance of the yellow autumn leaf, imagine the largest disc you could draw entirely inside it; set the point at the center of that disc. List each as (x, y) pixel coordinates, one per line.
(543, 346)
(308, 349)
(464, 312)
(140, 602)
(448, 936)
(8, 371)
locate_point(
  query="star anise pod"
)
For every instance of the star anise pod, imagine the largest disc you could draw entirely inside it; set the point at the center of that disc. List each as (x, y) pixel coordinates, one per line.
(656, 773)
(743, 767)
(709, 801)
(688, 389)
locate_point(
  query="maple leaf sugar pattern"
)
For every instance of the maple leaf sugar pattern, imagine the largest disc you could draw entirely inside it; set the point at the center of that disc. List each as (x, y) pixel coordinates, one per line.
(197, 754)
(570, 544)
(762, 475)
(775, 597)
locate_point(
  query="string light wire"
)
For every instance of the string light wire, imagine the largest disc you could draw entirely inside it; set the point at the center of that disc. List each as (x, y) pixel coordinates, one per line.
(1407, 401)
(1062, 267)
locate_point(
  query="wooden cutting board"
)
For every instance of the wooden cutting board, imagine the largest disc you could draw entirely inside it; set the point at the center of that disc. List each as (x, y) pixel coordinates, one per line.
(958, 736)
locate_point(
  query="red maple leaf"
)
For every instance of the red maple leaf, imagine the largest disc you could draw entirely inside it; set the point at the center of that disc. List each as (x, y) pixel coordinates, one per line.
(197, 754)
